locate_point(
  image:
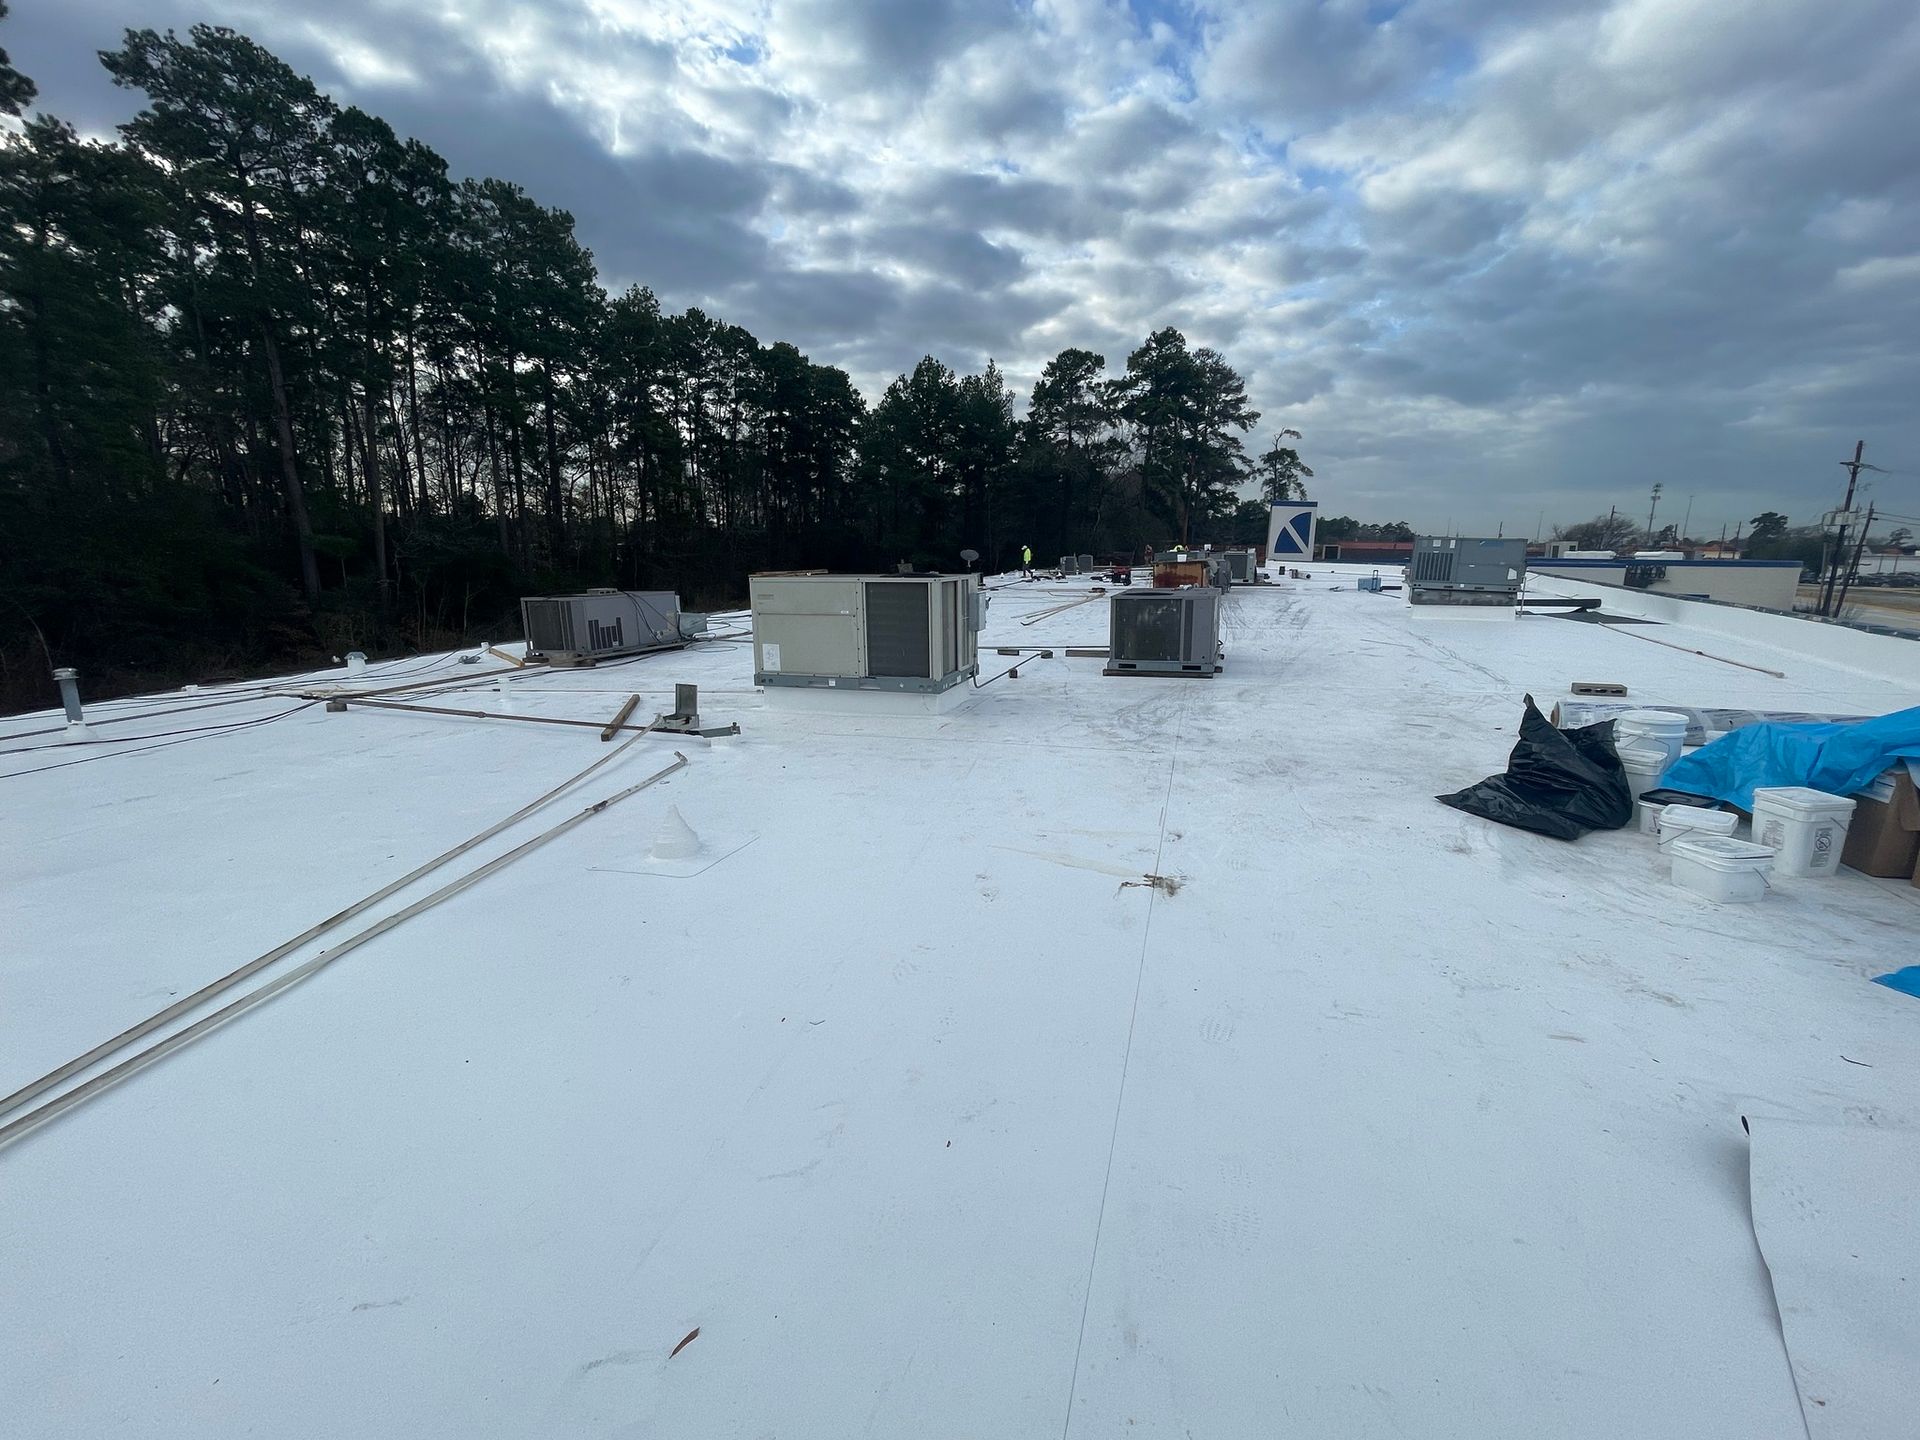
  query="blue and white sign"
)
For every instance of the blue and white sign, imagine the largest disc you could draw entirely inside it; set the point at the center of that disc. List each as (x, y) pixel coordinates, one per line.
(1290, 530)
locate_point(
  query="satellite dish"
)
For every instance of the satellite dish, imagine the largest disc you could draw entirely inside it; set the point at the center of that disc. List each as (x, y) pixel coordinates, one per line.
(969, 556)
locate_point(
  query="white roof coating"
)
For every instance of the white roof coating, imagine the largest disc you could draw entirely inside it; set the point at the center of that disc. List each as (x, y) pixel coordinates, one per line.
(929, 1113)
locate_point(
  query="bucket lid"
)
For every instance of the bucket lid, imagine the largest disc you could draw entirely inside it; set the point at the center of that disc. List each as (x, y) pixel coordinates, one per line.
(1799, 800)
(1642, 756)
(1652, 719)
(1721, 852)
(1688, 821)
(1693, 817)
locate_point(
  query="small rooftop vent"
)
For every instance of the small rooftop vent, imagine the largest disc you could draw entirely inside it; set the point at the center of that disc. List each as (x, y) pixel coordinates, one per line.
(1165, 632)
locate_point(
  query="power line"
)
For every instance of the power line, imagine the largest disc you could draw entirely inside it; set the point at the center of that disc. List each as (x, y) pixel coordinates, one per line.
(1839, 550)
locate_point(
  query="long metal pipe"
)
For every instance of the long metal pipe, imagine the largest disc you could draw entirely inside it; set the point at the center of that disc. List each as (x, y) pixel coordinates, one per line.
(226, 982)
(491, 714)
(133, 1064)
(1039, 615)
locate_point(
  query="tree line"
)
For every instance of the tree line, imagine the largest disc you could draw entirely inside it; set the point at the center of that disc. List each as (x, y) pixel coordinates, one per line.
(1769, 535)
(274, 384)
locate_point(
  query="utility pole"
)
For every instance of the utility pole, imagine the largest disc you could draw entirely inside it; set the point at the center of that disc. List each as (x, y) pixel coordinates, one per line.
(1839, 550)
(1853, 567)
(1650, 509)
(1686, 520)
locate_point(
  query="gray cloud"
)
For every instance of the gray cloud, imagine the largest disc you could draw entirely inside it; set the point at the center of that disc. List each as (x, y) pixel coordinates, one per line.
(1496, 257)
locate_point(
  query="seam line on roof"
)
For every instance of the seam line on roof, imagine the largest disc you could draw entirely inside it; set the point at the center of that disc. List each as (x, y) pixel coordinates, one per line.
(1126, 1061)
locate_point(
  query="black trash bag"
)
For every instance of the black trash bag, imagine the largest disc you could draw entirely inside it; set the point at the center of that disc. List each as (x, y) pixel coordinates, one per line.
(1561, 783)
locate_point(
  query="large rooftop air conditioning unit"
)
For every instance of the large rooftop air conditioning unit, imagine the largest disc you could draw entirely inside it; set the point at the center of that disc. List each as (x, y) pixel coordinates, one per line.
(1454, 570)
(1069, 564)
(1241, 562)
(866, 632)
(1086, 564)
(1165, 632)
(600, 625)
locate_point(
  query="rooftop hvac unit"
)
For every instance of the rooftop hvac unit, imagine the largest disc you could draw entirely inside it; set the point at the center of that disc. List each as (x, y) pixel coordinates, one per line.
(600, 625)
(1086, 564)
(866, 632)
(1452, 570)
(1165, 632)
(1219, 572)
(1241, 563)
(1069, 564)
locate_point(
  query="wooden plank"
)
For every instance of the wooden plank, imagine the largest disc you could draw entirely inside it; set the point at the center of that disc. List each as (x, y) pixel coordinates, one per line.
(613, 725)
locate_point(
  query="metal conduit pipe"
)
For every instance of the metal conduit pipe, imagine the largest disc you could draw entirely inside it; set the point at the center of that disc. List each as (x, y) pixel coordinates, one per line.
(140, 1060)
(189, 1003)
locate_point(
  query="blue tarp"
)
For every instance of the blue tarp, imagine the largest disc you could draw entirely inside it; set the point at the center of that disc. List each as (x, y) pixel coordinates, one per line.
(1839, 759)
(1906, 981)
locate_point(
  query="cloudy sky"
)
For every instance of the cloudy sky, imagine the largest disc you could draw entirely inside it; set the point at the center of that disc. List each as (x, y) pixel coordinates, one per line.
(1496, 258)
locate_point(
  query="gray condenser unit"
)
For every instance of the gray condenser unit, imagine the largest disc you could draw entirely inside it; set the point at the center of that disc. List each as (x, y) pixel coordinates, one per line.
(1069, 564)
(1165, 632)
(1085, 563)
(1241, 562)
(600, 625)
(1219, 572)
(866, 632)
(1457, 570)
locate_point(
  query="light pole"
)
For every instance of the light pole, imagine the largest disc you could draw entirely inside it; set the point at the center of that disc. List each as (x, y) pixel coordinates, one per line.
(1650, 509)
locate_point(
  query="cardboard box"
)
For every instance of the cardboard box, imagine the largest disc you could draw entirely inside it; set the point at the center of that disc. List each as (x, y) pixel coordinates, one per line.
(1883, 838)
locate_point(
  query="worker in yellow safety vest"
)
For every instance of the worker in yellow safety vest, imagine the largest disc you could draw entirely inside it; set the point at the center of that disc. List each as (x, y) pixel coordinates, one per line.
(1026, 559)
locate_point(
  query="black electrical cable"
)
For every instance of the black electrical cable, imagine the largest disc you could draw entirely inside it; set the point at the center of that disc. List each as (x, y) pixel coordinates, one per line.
(204, 733)
(93, 719)
(259, 690)
(129, 739)
(980, 684)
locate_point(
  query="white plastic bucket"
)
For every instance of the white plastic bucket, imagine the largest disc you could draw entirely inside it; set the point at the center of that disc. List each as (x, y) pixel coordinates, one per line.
(1665, 728)
(1807, 827)
(1678, 821)
(1649, 814)
(1644, 764)
(1721, 868)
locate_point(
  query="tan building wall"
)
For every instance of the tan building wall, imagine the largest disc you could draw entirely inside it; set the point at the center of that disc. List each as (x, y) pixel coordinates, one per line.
(1771, 587)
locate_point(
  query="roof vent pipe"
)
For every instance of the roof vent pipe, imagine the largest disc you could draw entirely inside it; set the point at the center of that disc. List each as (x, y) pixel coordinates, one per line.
(69, 681)
(676, 839)
(356, 662)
